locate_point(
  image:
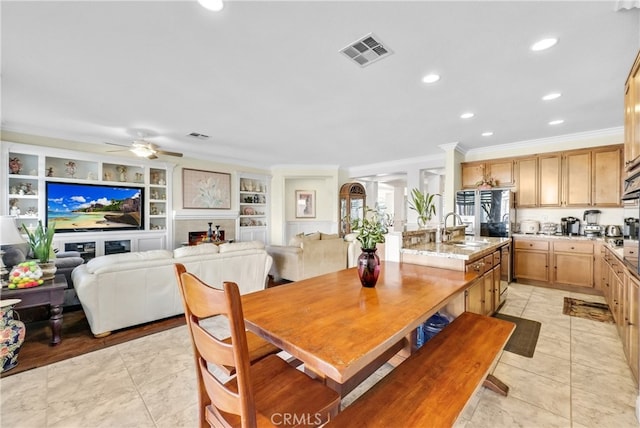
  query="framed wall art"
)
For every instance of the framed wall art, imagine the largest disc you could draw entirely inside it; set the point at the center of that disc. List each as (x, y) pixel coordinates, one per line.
(206, 189)
(305, 203)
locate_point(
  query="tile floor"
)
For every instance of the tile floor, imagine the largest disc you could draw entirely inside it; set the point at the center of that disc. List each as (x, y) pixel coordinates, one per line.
(578, 377)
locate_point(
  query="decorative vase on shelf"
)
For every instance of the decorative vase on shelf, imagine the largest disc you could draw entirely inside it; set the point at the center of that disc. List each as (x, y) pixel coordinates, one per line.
(48, 270)
(209, 233)
(368, 267)
(12, 334)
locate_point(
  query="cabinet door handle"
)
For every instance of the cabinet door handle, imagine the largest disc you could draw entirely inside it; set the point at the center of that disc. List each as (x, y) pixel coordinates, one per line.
(573, 248)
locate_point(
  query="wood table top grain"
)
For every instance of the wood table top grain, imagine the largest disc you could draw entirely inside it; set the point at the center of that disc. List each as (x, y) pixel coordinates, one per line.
(336, 326)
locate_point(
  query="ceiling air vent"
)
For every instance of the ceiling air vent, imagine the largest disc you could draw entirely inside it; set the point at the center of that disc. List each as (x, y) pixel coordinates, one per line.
(367, 50)
(198, 135)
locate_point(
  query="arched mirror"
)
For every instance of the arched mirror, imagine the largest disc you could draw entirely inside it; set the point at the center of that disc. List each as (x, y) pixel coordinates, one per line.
(352, 203)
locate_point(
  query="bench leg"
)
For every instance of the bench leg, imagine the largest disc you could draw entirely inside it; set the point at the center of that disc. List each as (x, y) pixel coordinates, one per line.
(496, 385)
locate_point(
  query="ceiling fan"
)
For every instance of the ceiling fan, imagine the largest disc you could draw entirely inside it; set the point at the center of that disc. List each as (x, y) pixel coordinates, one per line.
(145, 149)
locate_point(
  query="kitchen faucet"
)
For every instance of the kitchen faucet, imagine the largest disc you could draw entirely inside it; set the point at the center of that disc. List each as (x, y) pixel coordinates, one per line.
(445, 234)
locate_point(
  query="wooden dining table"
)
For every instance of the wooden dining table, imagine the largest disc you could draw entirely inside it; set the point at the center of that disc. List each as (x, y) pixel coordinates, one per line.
(343, 331)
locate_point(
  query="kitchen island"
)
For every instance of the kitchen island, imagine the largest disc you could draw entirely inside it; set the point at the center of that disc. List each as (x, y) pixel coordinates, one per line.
(487, 256)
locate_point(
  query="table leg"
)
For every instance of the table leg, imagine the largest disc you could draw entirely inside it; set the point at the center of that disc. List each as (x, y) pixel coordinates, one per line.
(55, 322)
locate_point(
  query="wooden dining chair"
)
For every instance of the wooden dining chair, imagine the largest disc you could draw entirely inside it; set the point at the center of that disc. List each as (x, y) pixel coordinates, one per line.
(269, 392)
(258, 347)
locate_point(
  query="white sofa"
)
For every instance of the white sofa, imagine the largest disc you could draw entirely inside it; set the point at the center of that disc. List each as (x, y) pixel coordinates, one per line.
(122, 290)
(308, 255)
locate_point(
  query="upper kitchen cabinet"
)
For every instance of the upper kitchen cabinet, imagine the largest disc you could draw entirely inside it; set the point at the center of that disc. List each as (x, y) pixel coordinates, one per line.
(550, 180)
(632, 118)
(607, 176)
(575, 178)
(526, 173)
(501, 170)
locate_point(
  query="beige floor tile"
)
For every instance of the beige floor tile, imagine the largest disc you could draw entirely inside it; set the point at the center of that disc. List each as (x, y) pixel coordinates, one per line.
(601, 409)
(170, 395)
(617, 388)
(557, 369)
(495, 411)
(536, 390)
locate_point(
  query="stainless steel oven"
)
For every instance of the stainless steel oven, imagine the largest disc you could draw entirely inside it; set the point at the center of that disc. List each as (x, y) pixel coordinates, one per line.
(631, 212)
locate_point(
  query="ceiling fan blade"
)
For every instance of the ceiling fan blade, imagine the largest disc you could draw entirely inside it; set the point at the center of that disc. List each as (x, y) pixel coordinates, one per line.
(115, 144)
(163, 152)
(152, 156)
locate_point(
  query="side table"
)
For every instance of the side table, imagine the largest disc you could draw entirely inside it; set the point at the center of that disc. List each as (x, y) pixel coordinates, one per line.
(50, 293)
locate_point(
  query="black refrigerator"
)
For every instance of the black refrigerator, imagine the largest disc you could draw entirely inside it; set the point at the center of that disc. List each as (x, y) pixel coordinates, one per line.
(487, 212)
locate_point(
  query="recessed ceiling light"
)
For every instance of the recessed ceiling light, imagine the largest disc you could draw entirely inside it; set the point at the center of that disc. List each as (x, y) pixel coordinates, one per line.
(214, 5)
(556, 122)
(431, 78)
(467, 115)
(543, 44)
(551, 96)
(487, 134)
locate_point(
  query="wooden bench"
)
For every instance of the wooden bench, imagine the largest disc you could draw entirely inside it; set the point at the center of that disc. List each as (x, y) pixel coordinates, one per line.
(433, 385)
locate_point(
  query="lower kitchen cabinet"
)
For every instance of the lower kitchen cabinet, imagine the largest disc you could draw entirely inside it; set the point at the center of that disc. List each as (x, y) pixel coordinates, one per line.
(555, 261)
(621, 291)
(531, 259)
(474, 297)
(632, 330)
(573, 263)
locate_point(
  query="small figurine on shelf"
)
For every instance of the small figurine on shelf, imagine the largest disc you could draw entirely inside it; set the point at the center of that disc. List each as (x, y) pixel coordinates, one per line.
(29, 189)
(107, 176)
(15, 165)
(139, 177)
(91, 175)
(155, 178)
(153, 209)
(70, 169)
(15, 209)
(122, 170)
(50, 171)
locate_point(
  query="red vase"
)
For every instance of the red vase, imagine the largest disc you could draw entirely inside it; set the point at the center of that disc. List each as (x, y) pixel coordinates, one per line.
(368, 267)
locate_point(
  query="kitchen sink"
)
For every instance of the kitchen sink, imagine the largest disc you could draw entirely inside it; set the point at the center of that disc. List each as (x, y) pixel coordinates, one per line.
(468, 243)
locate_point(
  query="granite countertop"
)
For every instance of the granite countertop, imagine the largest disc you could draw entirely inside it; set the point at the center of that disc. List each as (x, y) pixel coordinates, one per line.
(573, 237)
(463, 249)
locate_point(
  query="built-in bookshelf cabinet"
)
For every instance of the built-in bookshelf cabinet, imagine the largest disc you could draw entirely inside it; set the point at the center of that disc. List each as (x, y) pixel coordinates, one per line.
(23, 192)
(254, 207)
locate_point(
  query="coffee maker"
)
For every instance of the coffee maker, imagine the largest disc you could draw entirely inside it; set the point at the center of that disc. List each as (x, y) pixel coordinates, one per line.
(630, 230)
(570, 226)
(592, 228)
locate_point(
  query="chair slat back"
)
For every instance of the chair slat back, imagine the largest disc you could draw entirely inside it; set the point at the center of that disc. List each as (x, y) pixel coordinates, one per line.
(203, 301)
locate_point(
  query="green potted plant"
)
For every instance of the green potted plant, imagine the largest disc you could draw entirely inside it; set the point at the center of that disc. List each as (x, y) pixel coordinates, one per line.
(371, 230)
(423, 204)
(40, 242)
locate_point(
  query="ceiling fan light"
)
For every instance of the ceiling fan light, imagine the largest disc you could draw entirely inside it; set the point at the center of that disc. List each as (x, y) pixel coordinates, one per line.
(213, 5)
(143, 152)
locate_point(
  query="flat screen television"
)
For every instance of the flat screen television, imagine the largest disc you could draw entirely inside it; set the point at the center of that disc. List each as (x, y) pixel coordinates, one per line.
(78, 207)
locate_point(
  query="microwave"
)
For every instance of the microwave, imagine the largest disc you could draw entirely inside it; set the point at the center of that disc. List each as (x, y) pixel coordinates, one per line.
(631, 241)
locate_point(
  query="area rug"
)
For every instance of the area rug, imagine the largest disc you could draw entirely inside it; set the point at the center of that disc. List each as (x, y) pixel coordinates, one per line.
(524, 338)
(589, 310)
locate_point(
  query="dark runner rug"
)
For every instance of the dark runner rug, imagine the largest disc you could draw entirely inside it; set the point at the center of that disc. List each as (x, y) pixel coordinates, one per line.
(524, 338)
(589, 310)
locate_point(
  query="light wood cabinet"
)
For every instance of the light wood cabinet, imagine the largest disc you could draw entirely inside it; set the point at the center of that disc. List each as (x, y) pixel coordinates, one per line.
(483, 297)
(577, 179)
(531, 260)
(472, 172)
(573, 263)
(556, 262)
(607, 177)
(550, 180)
(474, 297)
(501, 170)
(574, 178)
(632, 118)
(631, 318)
(526, 171)
(622, 297)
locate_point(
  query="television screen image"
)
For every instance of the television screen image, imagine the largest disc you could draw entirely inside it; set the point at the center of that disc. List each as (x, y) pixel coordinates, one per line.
(77, 207)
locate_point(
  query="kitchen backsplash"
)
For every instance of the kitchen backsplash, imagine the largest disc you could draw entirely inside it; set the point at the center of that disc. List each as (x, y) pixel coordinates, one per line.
(609, 216)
